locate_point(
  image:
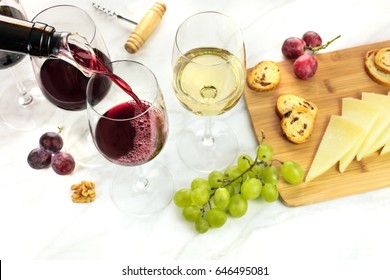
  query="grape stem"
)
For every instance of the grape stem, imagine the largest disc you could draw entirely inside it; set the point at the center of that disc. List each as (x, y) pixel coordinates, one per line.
(323, 46)
(255, 162)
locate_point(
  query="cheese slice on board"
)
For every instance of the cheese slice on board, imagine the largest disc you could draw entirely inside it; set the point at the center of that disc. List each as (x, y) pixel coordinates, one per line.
(363, 114)
(340, 136)
(382, 126)
(386, 148)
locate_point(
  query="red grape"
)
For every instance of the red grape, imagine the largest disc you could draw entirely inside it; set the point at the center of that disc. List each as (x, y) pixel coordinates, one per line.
(63, 163)
(38, 158)
(293, 47)
(51, 142)
(305, 66)
(312, 39)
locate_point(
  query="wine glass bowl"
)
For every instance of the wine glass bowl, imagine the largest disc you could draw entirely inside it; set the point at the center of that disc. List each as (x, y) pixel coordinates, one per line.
(123, 132)
(209, 71)
(131, 134)
(63, 84)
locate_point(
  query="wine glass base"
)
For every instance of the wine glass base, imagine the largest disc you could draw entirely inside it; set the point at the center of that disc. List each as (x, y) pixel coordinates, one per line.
(78, 142)
(206, 155)
(143, 194)
(24, 117)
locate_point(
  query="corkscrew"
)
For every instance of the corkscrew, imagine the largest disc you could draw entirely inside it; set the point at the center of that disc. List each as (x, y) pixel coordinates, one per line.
(143, 28)
(111, 13)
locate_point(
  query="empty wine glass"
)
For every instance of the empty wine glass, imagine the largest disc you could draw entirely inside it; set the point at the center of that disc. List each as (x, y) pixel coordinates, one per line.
(209, 70)
(63, 84)
(130, 133)
(22, 106)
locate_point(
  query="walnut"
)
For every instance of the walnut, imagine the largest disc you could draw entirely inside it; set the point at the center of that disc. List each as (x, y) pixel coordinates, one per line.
(83, 192)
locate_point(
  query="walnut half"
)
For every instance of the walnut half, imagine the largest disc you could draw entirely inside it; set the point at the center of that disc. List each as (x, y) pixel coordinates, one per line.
(83, 192)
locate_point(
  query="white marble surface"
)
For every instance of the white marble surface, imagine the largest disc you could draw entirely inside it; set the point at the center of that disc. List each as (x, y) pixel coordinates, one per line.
(39, 221)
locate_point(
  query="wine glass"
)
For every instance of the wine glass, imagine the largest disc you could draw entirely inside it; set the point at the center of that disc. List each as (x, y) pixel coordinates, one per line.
(209, 70)
(130, 133)
(63, 84)
(22, 106)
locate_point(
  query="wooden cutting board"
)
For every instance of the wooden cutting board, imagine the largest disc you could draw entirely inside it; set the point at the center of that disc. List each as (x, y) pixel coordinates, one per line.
(340, 74)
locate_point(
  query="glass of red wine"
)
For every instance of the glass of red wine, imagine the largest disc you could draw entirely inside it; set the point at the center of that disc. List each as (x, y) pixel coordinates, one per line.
(63, 84)
(129, 127)
(22, 105)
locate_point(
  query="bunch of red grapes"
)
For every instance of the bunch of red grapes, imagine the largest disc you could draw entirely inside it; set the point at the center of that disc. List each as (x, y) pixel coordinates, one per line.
(49, 154)
(305, 64)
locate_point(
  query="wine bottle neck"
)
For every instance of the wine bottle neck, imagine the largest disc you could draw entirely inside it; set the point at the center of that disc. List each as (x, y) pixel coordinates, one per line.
(33, 38)
(43, 40)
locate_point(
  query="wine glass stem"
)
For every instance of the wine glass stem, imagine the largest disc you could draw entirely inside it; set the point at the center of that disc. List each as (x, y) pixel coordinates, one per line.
(24, 97)
(208, 138)
(142, 183)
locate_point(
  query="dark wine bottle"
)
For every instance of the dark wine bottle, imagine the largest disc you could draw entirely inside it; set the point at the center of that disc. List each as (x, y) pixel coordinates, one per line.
(8, 59)
(36, 39)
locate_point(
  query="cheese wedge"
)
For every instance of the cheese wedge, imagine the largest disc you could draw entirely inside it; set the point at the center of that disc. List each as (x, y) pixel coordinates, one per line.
(386, 148)
(340, 136)
(363, 114)
(381, 127)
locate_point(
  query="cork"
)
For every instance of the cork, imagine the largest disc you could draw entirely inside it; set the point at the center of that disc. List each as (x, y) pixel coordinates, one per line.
(145, 27)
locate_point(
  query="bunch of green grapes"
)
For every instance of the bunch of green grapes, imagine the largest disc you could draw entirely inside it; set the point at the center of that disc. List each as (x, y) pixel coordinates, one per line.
(209, 202)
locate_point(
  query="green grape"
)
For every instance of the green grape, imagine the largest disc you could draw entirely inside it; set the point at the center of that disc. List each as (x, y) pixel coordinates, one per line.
(201, 225)
(269, 193)
(200, 196)
(221, 198)
(244, 162)
(251, 188)
(182, 198)
(245, 177)
(271, 175)
(231, 188)
(257, 170)
(191, 213)
(292, 172)
(249, 174)
(215, 179)
(238, 206)
(264, 152)
(216, 217)
(200, 183)
(233, 173)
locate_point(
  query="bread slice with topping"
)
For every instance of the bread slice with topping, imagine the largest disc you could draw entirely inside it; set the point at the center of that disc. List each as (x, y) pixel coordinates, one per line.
(264, 76)
(372, 71)
(382, 60)
(285, 103)
(298, 124)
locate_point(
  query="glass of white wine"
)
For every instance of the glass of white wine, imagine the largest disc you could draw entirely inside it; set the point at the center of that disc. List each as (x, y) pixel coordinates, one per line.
(209, 72)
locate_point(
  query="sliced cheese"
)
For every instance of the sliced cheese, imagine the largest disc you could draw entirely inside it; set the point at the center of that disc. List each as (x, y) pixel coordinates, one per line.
(381, 130)
(363, 114)
(386, 148)
(340, 136)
